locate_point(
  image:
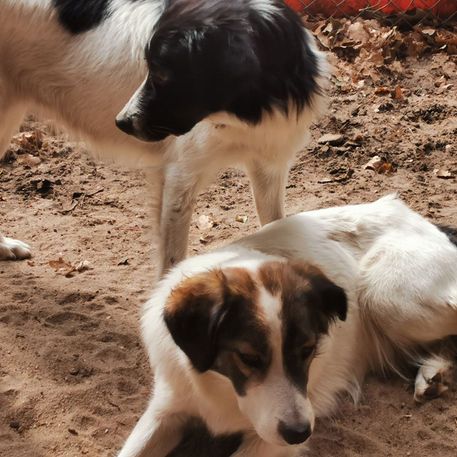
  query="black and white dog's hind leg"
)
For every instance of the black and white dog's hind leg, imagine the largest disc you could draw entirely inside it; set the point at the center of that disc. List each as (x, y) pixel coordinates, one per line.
(12, 114)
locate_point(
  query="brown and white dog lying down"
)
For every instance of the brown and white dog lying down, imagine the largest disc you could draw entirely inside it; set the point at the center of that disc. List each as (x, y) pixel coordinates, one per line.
(195, 86)
(258, 338)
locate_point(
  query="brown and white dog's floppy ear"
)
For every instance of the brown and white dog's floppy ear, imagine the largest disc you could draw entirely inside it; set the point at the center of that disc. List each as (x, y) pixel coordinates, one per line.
(332, 298)
(193, 315)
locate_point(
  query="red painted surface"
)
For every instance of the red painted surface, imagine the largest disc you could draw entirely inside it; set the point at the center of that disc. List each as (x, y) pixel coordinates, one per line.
(349, 7)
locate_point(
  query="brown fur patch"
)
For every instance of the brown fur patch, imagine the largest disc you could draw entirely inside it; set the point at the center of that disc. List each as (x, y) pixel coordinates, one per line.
(213, 285)
(214, 315)
(239, 282)
(208, 284)
(278, 277)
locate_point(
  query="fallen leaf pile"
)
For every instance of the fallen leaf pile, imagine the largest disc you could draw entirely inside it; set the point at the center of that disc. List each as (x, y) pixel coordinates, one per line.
(373, 49)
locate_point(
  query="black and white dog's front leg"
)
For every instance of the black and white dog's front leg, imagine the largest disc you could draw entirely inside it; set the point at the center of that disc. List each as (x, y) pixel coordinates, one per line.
(268, 181)
(11, 115)
(181, 185)
(179, 193)
(11, 249)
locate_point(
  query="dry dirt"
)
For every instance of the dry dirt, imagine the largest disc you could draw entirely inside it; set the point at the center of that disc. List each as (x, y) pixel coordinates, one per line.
(73, 375)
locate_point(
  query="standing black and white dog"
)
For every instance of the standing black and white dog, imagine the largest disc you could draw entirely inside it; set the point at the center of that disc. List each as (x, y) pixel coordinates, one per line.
(257, 338)
(214, 83)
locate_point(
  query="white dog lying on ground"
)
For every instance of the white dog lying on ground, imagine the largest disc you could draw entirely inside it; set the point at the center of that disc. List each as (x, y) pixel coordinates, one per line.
(258, 338)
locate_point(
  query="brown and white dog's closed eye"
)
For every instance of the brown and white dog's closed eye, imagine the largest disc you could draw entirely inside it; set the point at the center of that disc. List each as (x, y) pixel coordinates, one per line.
(256, 339)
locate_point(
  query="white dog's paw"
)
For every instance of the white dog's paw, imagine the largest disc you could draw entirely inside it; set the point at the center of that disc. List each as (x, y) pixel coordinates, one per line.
(11, 249)
(433, 379)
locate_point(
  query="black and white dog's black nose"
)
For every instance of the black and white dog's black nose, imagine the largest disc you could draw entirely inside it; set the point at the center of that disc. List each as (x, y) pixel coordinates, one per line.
(125, 124)
(296, 433)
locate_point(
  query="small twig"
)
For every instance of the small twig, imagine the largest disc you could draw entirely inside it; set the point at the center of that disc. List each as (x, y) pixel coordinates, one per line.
(95, 192)
(72, 207)
(80, 200)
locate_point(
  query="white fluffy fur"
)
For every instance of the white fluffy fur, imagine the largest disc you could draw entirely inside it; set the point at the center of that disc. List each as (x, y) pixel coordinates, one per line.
(41, 67)
(398, 271)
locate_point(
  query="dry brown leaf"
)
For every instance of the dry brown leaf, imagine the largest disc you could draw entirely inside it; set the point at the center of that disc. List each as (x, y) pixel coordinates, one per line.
(65, 268)
(29, 141)
(357, 32)
(443, 174)
(334, 139)
(205, 239)
(383, 90)
(373, 164)
(398, 93)
(30, 160)
(205, 222)
(84, 265)
(386, 168)
(60, 264)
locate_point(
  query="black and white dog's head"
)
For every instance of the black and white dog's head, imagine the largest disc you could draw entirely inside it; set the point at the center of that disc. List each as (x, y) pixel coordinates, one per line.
(244, 57)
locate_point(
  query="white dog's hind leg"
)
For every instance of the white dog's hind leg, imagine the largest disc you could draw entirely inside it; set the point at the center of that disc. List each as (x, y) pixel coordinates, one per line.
(11, 249)
(433, 378)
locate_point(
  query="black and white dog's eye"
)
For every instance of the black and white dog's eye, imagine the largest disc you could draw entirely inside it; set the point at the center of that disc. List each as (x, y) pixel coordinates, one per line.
(250, 360)
(306, 352)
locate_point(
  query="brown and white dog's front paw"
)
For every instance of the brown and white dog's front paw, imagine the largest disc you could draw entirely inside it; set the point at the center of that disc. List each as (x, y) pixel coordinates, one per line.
(433, 379)
(11, 249)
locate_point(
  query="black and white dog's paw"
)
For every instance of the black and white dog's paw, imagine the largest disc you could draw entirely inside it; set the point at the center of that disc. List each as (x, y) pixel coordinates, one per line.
(433, 379)
(11, 249)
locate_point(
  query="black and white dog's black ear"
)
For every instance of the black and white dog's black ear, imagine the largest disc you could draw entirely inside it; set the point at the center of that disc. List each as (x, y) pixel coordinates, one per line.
(242, 79)
(194, 314)
(241, 64)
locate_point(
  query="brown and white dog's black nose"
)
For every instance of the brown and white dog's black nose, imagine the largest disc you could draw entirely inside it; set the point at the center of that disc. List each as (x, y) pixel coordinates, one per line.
(296, 433)
(125, 124)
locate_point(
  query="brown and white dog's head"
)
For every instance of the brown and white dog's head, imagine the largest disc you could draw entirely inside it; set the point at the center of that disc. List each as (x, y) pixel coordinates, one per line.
(261, 330)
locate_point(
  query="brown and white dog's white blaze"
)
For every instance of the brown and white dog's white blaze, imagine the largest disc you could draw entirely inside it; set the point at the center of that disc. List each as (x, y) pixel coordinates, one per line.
(260, 329)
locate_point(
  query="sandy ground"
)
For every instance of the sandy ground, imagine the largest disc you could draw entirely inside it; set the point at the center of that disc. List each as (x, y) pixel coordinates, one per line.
(73, 375)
